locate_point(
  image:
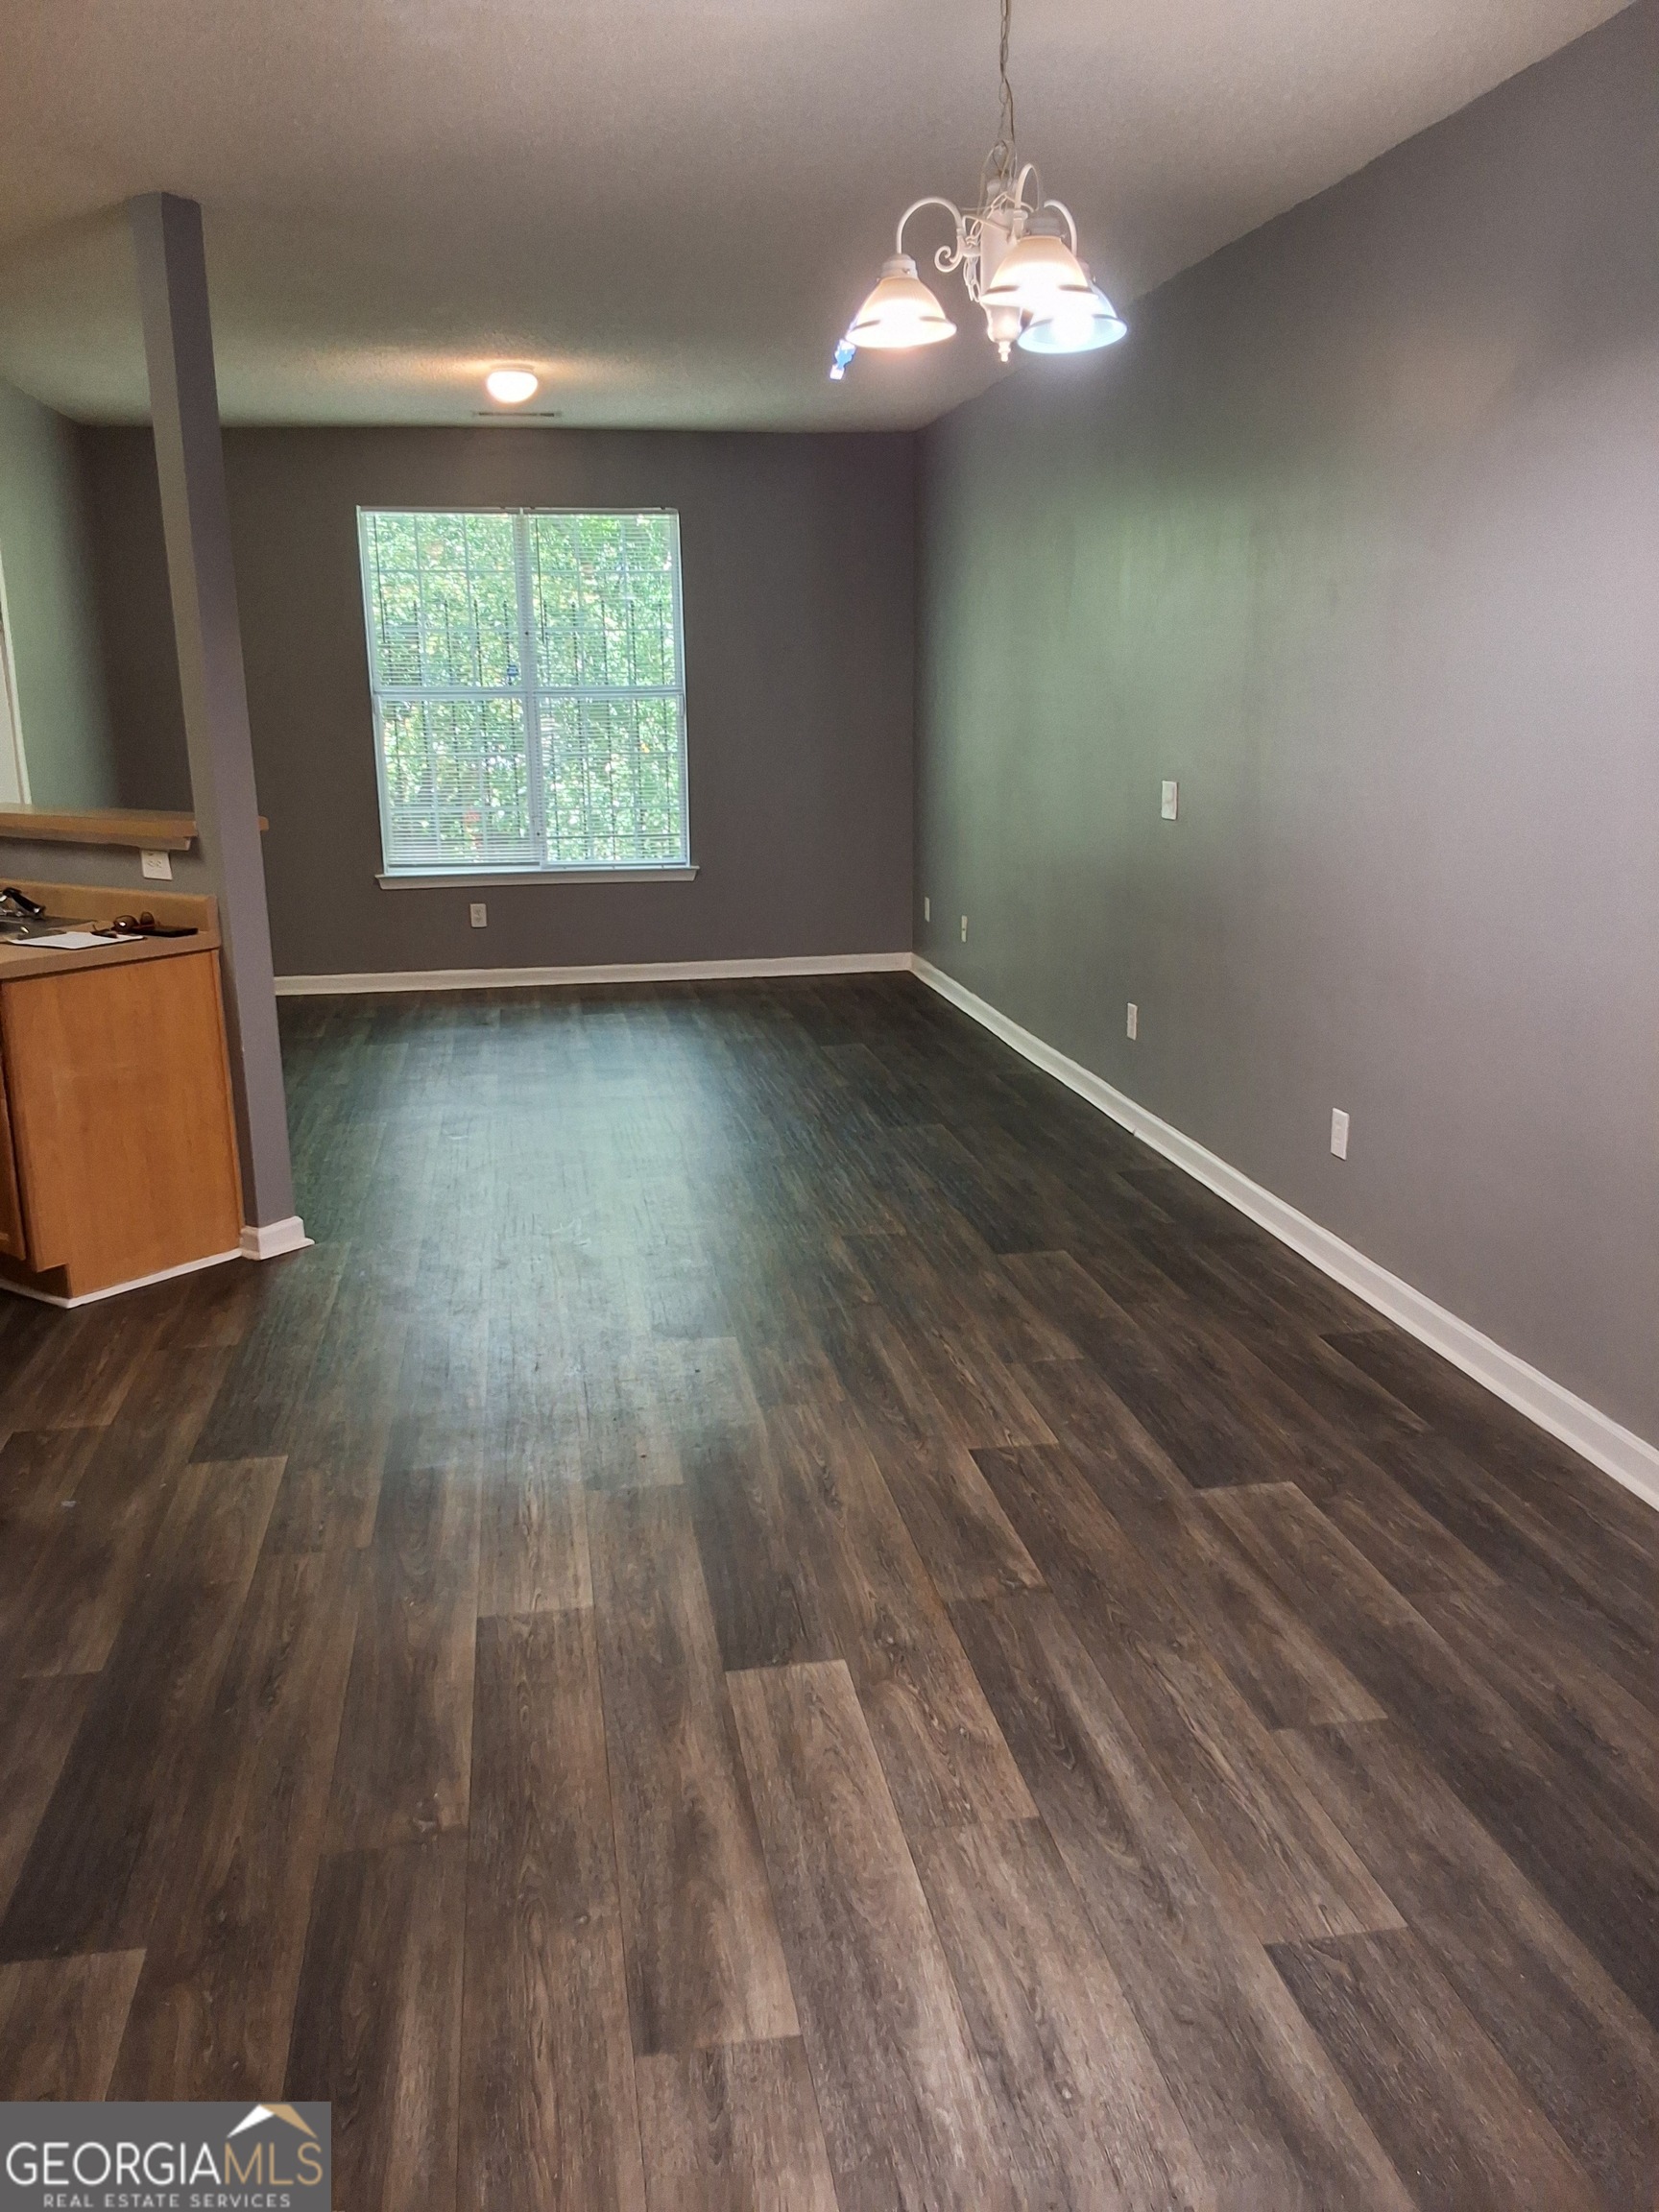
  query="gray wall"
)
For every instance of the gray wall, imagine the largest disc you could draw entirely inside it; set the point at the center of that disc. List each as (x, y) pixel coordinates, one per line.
(1358, 536)
(798, 579)
(49, 596)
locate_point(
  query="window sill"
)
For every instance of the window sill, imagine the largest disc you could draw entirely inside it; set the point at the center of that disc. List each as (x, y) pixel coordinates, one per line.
(418, 880)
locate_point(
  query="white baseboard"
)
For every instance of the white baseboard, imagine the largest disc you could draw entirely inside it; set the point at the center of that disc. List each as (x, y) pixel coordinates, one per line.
(645, 972)
(118, 1289)
(270, 1239)
(1630, 1460)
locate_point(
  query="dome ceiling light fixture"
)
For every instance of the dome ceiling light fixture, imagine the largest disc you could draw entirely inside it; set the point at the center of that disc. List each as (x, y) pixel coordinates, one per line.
(1017, 255)
(512, 386)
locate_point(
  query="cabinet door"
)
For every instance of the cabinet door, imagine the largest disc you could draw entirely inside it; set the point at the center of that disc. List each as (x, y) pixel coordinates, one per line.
(121, 1118)
(12, 1239)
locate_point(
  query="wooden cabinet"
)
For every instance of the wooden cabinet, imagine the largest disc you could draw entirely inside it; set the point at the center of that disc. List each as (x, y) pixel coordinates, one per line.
(13, 1241)
(117, 1143)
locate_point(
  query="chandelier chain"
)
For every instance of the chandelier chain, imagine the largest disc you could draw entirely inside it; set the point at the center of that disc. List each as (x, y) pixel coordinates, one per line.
(1001, 162)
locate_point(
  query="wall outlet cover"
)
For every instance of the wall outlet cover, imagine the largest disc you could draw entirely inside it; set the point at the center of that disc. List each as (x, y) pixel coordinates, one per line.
(478, 914)
(157, 866)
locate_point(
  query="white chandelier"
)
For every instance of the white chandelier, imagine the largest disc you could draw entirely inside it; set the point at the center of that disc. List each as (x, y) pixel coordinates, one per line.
(1017, 255)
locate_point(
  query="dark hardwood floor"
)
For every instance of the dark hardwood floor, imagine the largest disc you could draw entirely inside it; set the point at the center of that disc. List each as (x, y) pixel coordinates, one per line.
(781, 1616)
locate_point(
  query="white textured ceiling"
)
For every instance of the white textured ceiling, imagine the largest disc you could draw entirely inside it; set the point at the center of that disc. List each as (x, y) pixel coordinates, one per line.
(670, 207)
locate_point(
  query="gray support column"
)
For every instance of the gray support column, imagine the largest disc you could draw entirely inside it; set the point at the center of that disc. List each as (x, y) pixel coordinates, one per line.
(196, 513)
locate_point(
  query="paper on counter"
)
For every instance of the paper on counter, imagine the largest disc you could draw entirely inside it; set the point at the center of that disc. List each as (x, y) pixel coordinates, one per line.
(63, 940)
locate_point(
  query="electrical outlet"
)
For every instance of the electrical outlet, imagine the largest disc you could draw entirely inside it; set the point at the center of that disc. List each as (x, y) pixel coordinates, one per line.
(963, 928)
(927, 909)
(1133, 1024)
(157, 866)
(1172, 803)
(478, 914)
(1339, 1132)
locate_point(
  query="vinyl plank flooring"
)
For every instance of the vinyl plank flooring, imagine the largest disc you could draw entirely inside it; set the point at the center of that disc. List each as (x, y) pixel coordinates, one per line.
(944, 1383)
(1345, 1398)
(978, 1285)
(771, 1319)
(1217, 1413)
(1607, 1741)
(1582, 2049)
(1592, 1519)
(943, 1755)
(39, 1723)
(1502, 1527)
(377, 2021)
(779, 1614)
(60, 2024)
(761, 1581)
(905, 2112)
(664, 1397)
(547, 2092)
(39, 1468)
(533, 1536)
(337, 1441)
(734, 2129)
(211, 2015)
(949, 1339)
(1274, 1661)
(704, 1965)
(1602, 1878)
(962, 1536)
(406, 1741)
(76, 1366)
(87, 1567)
(103, 1852)
(1288, 1870)
(1438, 2097)
(1087, 2113)
(1271, 2120)
(263, 1393)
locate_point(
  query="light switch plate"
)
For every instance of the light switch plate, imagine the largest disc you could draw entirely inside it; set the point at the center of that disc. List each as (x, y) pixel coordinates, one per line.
(1339, 1132)
(157, 866)
(1171, 799)
(478, 914)
(927, 909)
(1134, 1022)
(963, 928)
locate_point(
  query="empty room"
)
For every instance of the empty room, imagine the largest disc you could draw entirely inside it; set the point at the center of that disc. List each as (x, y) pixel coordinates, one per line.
(830, 1106)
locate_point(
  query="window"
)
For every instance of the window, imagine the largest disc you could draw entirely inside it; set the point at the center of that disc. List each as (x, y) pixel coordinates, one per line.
(528, 676)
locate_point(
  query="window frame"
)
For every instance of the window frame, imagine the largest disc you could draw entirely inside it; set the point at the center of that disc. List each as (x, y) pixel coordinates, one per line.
(530, 692)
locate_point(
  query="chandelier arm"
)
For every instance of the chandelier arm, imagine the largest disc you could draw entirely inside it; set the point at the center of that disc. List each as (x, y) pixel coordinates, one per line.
(946, 258)
(1070, 219)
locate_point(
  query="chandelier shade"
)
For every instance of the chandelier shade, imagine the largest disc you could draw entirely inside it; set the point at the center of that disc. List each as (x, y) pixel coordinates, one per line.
(900, 312)
(1037, 275)
(1074, 326)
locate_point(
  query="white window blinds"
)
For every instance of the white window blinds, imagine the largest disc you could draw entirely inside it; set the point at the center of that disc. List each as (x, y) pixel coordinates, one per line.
(529, 688)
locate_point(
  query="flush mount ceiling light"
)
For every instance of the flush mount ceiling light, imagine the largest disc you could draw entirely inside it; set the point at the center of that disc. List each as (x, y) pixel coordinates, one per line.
(512, 386)
(1017, 255)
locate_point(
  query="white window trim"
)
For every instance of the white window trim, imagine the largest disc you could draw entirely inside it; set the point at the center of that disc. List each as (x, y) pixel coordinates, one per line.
(426, 877)
(14, 762)
(567, 872)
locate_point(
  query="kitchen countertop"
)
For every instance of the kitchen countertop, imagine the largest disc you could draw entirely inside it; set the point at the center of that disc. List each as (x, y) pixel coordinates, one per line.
(94, 906)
